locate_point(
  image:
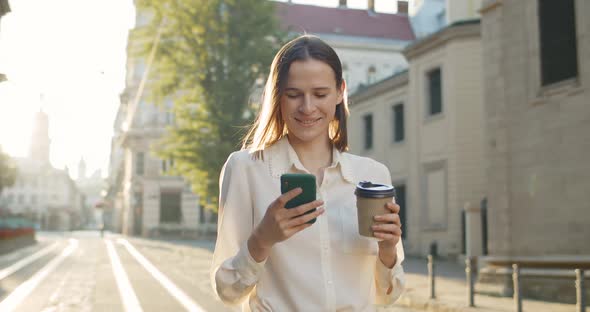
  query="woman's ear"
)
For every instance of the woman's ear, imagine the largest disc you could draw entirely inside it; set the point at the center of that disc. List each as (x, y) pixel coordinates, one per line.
(341, 91)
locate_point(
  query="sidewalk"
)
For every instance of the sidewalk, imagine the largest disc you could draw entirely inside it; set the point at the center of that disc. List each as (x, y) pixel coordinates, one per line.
(451, 292)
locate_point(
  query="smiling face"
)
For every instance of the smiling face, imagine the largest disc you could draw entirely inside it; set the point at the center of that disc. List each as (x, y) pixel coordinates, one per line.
(308, 102)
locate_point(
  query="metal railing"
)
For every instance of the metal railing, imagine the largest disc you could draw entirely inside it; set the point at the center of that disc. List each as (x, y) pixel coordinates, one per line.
(471, 272)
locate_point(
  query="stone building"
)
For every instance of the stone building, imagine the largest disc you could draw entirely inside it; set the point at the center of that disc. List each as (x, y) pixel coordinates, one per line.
(537, 123)
(425, 126)
(45, 195)
(510, 134)
(142, 198)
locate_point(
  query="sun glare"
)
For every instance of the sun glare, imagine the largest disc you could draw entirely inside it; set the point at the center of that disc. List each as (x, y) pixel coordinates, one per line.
(65, 58)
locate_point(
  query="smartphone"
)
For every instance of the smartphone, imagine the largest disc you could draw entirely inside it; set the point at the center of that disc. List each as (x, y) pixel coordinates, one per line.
(306, 182)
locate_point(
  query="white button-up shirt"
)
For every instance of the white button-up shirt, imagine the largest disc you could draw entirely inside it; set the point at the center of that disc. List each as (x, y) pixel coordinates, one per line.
(326, 267)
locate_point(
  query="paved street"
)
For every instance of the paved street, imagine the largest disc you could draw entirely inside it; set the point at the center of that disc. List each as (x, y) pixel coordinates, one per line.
(76, 272)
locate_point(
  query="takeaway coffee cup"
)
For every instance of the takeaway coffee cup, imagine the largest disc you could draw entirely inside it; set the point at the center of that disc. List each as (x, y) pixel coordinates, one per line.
(370, 202)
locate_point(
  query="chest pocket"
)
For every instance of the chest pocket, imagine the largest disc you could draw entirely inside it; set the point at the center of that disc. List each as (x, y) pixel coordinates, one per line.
(352, 242)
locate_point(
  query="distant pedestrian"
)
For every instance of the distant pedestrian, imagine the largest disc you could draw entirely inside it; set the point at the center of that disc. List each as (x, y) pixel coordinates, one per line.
(267, 257)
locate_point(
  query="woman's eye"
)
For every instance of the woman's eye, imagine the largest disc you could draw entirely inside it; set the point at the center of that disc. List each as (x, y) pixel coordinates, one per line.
(292, 96)
(321, 95)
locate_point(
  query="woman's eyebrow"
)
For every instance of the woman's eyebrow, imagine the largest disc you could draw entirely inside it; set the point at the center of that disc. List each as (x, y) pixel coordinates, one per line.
(316, 89)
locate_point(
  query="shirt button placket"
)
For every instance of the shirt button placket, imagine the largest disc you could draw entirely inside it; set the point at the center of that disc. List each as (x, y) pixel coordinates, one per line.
(325, 256)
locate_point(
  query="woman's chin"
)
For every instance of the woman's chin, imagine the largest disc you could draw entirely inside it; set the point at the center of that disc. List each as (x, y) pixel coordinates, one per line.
(305, 136)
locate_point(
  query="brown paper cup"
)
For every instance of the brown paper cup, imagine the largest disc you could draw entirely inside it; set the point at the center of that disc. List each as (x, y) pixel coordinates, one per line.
(367, 209)
(371, 200)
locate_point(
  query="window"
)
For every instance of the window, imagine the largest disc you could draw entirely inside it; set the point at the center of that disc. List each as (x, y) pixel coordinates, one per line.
(170, 211)
(434, 92)
(167, 164)
(140, 163)
(398, 122)
(368, 121)
(557, 28)
(371, 74)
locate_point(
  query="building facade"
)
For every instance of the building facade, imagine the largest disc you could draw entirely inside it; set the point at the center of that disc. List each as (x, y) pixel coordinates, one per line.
(537, 124)
(425, 126)
(506, 130)
(142, 198)
(46, 195)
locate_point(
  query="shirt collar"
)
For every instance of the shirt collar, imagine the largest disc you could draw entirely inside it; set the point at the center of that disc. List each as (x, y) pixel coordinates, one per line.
(282, 158)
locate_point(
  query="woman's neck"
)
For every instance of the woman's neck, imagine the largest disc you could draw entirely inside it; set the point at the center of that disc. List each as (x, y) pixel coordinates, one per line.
(314, 156)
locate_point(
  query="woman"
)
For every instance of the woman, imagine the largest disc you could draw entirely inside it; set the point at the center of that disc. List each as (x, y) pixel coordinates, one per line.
(266, 256)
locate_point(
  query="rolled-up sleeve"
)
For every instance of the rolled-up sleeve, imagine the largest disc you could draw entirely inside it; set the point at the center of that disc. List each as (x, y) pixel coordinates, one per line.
(390, 282)
(234, 272)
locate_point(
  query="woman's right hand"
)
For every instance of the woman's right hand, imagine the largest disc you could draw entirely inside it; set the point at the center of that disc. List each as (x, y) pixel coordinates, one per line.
(280, 223)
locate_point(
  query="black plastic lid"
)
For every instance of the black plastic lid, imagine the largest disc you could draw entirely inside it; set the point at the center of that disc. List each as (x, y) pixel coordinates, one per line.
(372, 190)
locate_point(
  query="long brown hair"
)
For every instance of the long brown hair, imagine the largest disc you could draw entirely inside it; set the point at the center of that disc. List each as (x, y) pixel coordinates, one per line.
(269, 126)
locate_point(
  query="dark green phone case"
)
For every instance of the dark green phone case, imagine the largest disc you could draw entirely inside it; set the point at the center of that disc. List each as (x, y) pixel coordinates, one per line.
(306, 182)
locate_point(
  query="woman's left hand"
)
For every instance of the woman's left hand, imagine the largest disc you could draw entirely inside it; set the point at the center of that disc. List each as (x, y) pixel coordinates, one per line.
(390, 233)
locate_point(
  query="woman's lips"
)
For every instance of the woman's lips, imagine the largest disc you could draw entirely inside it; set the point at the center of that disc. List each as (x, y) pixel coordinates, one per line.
(308, 121)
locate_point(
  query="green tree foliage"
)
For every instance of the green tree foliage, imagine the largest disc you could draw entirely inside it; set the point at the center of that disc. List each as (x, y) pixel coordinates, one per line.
(209, 56)
(7, 171)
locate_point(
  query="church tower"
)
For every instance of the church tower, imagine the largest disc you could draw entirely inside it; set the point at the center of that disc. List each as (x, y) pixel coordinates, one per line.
(39, 150)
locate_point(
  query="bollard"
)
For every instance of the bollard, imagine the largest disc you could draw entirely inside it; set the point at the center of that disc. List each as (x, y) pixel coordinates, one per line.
(431, 275)
(469, 270)
(580, 302)
(516, 281)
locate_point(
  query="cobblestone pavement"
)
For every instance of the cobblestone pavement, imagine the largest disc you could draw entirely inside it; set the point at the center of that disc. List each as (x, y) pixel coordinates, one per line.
(76, 272)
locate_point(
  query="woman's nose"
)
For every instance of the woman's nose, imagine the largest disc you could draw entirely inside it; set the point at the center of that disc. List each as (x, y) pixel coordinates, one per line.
(307, 106)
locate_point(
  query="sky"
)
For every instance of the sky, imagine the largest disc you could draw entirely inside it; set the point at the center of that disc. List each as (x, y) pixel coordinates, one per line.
(67, 58)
